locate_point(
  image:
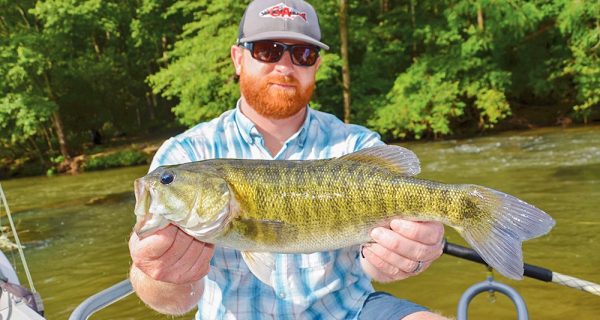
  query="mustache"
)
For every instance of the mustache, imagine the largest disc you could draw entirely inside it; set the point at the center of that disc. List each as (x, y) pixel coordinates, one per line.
(282, 80)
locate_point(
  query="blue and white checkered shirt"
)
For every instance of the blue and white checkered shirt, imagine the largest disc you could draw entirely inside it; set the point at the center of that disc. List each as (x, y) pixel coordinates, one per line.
(321, 285)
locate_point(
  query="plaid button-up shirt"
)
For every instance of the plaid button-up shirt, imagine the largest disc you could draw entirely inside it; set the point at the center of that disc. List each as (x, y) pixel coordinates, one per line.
(321, 285)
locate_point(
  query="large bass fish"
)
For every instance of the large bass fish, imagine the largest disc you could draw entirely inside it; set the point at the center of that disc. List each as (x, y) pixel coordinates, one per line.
(261, 207)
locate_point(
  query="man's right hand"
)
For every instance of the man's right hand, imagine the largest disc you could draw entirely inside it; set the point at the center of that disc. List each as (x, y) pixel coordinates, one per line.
(169, 264)
(170, 255)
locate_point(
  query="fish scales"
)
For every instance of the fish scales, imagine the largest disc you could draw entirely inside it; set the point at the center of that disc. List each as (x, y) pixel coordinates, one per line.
(317, 205)
(318, 200)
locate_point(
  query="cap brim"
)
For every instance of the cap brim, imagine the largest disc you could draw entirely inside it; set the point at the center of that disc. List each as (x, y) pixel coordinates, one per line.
(281, 35)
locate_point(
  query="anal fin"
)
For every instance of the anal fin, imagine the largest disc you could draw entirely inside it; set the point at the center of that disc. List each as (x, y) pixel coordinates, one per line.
(261, 264)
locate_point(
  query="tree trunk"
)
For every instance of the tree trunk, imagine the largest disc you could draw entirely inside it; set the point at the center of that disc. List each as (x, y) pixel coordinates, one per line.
(150, 105)
(4, 30)
(384, 6)
(151, 102)
(138, 116)
(44, 131)
(345, 61)
(480, 24)
(38, 152)
(413, 21)
(164, 42)
(62, 142)
(57, 122)
(96, 47)
(23, 15)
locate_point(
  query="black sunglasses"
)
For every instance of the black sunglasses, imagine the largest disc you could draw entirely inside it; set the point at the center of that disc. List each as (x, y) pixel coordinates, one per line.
(271, 51)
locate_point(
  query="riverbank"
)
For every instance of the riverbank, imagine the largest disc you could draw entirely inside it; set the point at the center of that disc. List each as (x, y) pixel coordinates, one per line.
(111, 152)
(117, 152)
(110, 156)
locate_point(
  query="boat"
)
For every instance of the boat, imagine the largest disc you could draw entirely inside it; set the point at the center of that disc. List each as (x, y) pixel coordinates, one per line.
(16, 301)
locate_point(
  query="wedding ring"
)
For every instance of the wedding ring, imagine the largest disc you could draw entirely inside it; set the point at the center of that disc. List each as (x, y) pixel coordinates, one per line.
(418, 267)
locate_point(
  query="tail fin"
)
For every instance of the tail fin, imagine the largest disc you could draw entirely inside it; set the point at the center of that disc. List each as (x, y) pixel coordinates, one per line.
(504, 223)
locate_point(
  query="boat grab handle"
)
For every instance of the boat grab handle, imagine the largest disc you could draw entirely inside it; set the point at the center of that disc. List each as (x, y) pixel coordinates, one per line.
(491, 286)
(102, 300)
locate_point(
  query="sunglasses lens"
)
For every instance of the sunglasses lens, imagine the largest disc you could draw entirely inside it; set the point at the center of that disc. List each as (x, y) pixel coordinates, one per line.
(304, 55)
(270, 51)
(267, 51)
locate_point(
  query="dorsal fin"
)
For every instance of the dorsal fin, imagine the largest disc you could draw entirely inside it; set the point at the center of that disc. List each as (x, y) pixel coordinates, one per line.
(394, 158)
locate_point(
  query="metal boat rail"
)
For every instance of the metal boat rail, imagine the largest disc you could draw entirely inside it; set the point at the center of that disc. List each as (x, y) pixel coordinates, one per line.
(102, 300)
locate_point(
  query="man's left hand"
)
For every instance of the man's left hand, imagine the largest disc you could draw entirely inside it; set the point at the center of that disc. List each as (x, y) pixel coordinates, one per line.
(405, 249)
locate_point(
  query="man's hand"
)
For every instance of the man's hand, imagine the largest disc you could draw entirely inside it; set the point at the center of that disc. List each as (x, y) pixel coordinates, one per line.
(167, 270)
(405, 249)
(170, 255)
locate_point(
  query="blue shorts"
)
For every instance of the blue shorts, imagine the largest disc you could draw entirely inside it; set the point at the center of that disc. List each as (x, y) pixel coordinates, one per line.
(384, 306)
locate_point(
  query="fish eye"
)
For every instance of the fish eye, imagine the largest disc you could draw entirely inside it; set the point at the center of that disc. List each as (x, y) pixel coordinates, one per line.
(167, 178)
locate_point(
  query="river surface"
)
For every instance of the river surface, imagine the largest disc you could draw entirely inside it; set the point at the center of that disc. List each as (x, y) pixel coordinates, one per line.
(75, 228)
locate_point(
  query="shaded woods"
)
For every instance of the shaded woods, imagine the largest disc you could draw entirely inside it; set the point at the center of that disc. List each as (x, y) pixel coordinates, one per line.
(78, 73)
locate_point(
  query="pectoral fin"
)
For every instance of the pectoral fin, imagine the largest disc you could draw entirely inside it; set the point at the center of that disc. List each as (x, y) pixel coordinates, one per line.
(261, 264)
(265, 231)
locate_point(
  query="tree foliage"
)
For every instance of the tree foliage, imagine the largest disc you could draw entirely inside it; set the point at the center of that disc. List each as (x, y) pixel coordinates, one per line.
(200, 74)
(419, 68)
(579, 23)
(69, 67)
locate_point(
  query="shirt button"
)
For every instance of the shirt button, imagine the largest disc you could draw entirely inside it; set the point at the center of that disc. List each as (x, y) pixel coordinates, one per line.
(282, 295)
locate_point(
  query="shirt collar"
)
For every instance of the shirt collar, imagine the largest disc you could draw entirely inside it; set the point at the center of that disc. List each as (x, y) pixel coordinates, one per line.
(245, 126)
(248, 129)
(303, 132)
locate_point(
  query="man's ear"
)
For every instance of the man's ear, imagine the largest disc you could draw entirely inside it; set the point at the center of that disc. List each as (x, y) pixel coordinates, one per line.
(237, 53)
(318, 63)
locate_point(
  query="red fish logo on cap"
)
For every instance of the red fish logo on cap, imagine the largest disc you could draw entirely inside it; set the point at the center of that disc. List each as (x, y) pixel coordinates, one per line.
(282, 11)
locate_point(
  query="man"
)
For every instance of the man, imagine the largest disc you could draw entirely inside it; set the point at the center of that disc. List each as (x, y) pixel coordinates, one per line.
(276, 58)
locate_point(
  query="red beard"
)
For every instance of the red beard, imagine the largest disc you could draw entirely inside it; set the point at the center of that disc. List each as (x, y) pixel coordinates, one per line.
(272, 101)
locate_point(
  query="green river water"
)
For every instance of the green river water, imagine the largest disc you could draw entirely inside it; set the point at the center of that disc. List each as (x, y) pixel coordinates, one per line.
(75, 228)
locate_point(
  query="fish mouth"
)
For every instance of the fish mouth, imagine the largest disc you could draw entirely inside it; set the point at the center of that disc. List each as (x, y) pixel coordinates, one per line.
(147, 222)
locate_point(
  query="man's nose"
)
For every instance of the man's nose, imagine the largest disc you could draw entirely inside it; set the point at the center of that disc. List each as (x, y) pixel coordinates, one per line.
(285, 65)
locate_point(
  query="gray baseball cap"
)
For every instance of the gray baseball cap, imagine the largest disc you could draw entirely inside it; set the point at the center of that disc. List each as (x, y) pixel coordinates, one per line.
(280, 19)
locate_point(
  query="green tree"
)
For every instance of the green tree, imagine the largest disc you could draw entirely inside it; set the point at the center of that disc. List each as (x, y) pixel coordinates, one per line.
(154, 28)
(80, 65)
(579, 22)
(458, 72)
(27, 100)
(199, 73)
